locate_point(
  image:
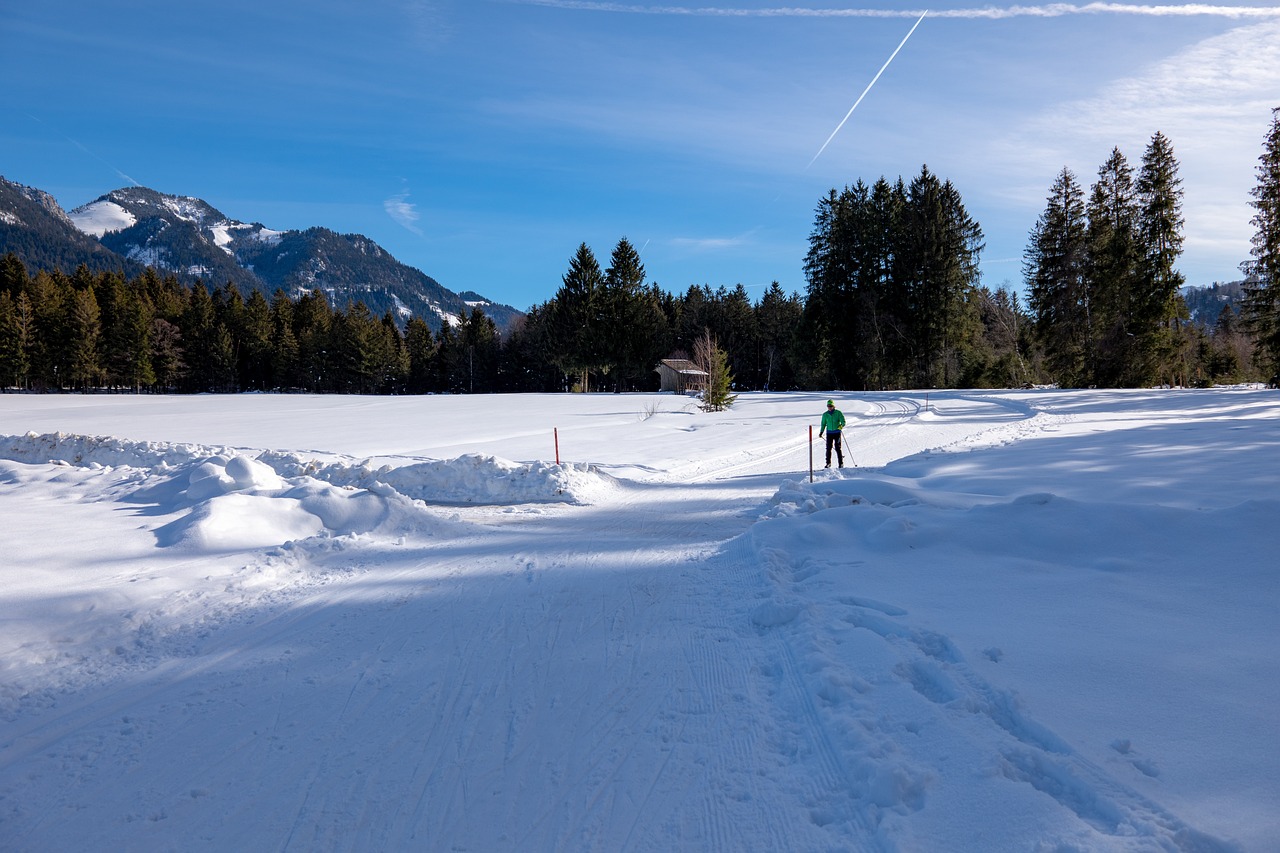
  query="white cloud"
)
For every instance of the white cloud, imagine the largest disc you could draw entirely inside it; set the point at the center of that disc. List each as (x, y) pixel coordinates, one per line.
(1048, 10)
(404, 212)
(713, 244)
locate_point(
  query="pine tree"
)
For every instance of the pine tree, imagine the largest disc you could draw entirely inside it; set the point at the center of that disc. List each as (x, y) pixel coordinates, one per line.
(355, 360)
(166, 353)
(831, 271)
(579, 335)
(1263, 269)
(312, 327)
(394, 356)
(937, 262)
(1054, 268)
(285, 365)
(1157, 304)
(715, 363)
(257, 355)
(50, 296)
(778, 319)
(420, 347)
(13, 275)
(856, 311)
(10, 348)
(738, 333)
(84, 364)
(623, 311)
(1115, 259)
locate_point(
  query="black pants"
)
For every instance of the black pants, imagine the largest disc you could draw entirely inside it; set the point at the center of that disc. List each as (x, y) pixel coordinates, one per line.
(833, 437)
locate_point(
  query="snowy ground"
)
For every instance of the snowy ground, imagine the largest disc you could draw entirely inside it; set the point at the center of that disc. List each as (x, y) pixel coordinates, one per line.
(1026, 621)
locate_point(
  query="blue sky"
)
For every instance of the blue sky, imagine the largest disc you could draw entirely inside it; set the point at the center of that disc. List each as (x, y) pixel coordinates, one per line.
(482, 140)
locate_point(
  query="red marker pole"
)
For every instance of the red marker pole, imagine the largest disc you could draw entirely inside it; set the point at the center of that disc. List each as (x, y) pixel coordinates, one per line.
(555, 431)
(810, 453)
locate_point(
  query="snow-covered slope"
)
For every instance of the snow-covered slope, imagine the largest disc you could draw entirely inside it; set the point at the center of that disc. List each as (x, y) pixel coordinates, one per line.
(1025, 621)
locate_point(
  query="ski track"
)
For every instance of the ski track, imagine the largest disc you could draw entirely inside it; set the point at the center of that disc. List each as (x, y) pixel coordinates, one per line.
(702, 703)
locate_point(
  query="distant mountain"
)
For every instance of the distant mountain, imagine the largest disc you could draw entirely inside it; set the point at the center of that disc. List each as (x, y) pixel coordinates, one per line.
(36, 229)
(1206, 303)
(136, 227)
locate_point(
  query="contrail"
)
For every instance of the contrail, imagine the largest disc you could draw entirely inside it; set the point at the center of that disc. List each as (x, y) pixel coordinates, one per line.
(84, 149)
(1049, 10)
(868, 89)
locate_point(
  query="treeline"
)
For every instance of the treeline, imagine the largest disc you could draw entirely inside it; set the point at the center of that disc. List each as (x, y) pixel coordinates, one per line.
(894, 298)
(101, 331)
(91, 331)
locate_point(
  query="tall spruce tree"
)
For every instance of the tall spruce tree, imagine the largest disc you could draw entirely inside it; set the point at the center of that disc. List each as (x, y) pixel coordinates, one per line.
(1158, 305)
(420, 347)
(624, 312)
(1262, 286)
(85, 357)
(578, 336)
(257, 355)
(11, 351)
(778, 319)
(831, 269)
(1115, 263)
(937, 262)
(1054, 269)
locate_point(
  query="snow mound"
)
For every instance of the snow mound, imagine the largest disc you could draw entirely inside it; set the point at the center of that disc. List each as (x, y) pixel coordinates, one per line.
(99, 451)
(240, 522)
(469, 479)
(227, 500)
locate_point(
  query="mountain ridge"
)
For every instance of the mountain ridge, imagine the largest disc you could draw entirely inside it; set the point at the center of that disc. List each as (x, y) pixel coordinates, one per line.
(132, 228)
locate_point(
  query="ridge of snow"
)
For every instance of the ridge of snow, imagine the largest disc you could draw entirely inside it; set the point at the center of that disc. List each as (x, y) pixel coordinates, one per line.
(469, 479)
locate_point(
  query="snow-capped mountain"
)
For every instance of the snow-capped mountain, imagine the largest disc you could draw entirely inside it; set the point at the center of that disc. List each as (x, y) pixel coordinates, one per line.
(37, 230)
(192, 239)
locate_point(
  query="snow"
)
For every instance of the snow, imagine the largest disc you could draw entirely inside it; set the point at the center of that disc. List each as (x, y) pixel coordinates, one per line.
(99, 217)
(186, 208)
(1025, 621)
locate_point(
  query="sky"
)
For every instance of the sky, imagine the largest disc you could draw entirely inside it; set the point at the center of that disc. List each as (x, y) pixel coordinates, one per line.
(1014, 621)
(482, 141)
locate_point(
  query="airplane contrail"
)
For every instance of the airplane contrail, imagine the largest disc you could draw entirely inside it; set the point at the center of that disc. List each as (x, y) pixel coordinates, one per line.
(1048, 10)
(868, 89)
(83, 148)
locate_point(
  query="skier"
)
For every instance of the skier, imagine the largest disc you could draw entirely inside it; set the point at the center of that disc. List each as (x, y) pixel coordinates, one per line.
(832, 424)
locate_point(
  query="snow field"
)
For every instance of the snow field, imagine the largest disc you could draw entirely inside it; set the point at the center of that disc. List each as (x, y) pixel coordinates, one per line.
(1027, 621)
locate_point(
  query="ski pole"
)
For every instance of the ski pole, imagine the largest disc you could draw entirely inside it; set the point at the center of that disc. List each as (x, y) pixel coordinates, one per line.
(845, 444)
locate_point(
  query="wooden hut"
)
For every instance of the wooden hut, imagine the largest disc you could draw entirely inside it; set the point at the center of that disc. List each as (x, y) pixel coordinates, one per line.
(681, 375)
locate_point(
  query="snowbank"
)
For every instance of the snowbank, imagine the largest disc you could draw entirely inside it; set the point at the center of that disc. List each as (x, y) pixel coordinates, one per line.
(230, 501)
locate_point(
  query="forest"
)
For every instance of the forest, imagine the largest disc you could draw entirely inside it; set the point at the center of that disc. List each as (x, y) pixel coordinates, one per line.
(893, 300)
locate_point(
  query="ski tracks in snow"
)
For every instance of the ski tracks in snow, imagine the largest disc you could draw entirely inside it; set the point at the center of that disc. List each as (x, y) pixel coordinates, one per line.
(877, 695)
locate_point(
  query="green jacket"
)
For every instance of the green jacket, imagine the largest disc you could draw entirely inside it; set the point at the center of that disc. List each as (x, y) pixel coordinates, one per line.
(832, 419)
